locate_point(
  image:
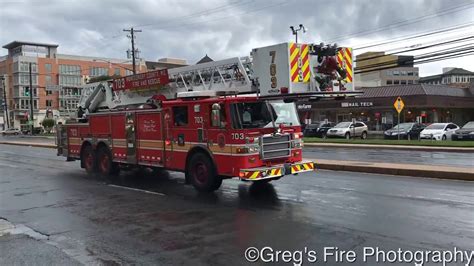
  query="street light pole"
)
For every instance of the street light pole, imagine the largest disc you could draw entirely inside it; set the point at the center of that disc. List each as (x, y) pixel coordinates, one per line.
(132, 38)
(31, 100)
(295, 31)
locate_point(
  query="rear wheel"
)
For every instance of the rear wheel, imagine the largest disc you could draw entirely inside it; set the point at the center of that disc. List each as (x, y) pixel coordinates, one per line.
(348, 135)
(105, 164)
(88, 159)
(202, 173)
(364, 135)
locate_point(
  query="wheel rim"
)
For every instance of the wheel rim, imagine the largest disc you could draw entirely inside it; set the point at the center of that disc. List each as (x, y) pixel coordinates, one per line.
(104, 163)
(89, 160)
(201, 173)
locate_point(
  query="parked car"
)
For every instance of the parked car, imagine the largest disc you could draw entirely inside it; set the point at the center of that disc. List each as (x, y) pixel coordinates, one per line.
(465, 133)
(348, 130)
(407, 131)
(318, 129)
(11, 131)
(438, 131)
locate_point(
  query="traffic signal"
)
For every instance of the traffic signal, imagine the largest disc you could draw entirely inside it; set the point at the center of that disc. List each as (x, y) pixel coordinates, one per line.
(27, 91)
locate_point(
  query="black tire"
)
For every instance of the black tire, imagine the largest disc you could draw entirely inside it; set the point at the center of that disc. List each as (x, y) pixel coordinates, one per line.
(201, 172)
(88, 159)
(105, 164)
(348, 135)
(444, 137)
(364, 135)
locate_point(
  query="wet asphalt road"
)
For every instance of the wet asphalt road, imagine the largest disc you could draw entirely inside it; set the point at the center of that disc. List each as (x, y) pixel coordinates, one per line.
(79, 218)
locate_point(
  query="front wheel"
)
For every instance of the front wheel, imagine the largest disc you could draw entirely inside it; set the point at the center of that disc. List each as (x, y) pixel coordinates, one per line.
(444, 137)
(202, 173)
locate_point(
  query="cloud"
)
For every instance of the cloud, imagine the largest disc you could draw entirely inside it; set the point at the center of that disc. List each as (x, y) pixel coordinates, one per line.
(221, 29)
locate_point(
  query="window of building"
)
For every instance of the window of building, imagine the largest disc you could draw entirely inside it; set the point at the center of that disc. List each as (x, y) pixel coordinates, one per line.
(48, 80)
(396, 82)
(403, 82)
(49, 103)
(180, 115)
(48, 68)
(25, 67)
(403, 73)
(396, 73)
(389, 82)
(67, 80)
(117, 71)
(49, 92)
(388, 72)
(98, 71)
(128, 72)
(410, 82)
(70, 69)
(410, 73)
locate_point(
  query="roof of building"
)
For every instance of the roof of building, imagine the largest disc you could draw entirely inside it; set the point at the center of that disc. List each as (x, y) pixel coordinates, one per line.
(454, 71)
(18, 43)
(205, 59)
(415, 89)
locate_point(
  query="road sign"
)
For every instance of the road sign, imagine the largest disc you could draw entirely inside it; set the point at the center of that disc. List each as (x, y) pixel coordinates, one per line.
(398, 104)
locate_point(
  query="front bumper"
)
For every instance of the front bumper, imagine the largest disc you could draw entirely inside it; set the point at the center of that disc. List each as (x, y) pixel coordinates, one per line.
(432, 137)
(260, 173)
(462, 137)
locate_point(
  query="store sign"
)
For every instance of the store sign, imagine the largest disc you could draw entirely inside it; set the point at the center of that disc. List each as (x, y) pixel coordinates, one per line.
(356, 104)
(304, 106)
(146, 80)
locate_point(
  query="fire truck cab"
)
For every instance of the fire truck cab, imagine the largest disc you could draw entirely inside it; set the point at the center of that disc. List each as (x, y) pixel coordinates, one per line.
(211, 121)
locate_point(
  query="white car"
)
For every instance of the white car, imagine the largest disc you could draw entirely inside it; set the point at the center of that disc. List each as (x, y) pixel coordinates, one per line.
(11, 131)
(438, 131)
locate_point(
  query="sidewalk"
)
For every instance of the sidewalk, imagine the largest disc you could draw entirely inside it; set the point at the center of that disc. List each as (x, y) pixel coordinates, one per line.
(389, 147)
(433, 171)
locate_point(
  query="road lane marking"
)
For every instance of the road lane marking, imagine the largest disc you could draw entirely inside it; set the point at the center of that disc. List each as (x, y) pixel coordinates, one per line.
(139, 190)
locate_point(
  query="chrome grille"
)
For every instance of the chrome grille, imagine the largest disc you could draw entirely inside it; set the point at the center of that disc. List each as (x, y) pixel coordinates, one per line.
(276, 146)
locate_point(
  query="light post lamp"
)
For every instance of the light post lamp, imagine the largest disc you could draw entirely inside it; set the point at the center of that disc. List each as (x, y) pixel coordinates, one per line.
(295, 31)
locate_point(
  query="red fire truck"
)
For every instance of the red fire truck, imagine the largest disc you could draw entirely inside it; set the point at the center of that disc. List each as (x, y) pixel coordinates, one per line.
(212, 121)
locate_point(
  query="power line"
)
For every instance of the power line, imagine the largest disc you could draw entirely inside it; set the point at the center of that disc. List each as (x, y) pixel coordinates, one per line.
(202, 12)
(402, 23)
(408, 37)
(419, 48)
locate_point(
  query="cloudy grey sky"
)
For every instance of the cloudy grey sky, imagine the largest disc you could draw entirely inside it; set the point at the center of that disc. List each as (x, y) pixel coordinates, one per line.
(189, 29)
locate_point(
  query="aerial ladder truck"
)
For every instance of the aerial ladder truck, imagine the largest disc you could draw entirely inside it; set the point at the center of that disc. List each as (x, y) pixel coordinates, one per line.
(216, 120)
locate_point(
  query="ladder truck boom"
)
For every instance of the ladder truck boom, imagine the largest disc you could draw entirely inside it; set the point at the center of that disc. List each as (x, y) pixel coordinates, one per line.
(282, 70)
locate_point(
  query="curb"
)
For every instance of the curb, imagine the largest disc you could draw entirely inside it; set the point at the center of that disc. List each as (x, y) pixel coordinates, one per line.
(31, 144)
(429, 171)
(389, 147)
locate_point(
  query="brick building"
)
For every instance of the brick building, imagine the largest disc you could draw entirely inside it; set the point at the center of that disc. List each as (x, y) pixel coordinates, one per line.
(56, 78)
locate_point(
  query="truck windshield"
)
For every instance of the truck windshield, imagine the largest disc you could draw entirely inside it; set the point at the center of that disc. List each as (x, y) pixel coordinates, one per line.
(257, 114)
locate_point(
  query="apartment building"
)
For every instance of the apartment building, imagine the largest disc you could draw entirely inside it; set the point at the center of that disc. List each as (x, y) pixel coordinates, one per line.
(57, 80)
(378, 69)
(451, 76)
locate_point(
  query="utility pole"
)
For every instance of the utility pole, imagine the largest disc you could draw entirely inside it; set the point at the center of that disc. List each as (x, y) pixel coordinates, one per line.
(31, 101)
(5, 102)
(295, 31)
(132, 39)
